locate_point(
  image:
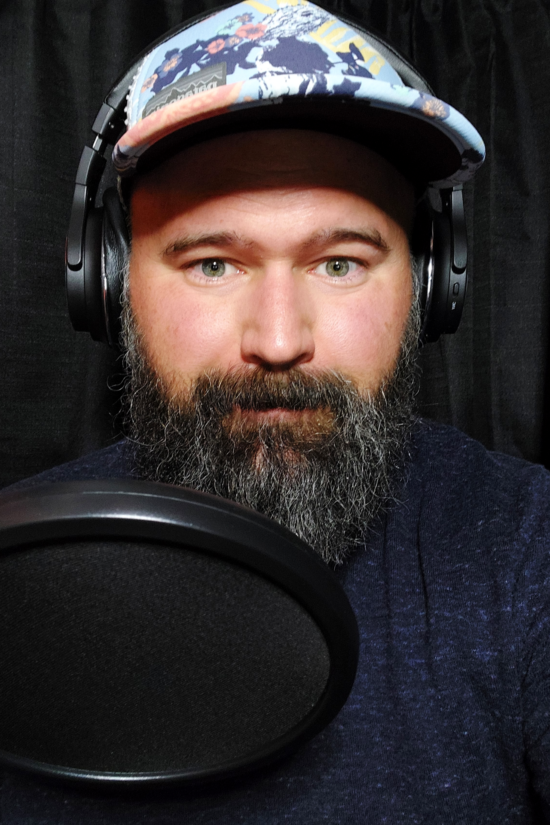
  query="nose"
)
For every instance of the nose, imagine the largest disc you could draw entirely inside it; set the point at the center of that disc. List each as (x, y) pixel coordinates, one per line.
(278, 321)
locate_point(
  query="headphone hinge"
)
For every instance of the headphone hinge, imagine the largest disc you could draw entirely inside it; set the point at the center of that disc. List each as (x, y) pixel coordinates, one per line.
(108, 124)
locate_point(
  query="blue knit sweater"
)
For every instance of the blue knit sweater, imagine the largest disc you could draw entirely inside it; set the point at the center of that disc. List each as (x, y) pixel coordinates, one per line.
(448, 722)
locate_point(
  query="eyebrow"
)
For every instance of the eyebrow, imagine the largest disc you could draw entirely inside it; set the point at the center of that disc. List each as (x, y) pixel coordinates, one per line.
(221, 239)
(325, 237)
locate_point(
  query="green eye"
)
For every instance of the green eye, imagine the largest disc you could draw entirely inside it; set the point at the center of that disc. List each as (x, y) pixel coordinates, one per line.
(213, 268)
(338, 267)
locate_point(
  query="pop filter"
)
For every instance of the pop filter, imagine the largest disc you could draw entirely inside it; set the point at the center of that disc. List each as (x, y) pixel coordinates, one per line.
(153, 634)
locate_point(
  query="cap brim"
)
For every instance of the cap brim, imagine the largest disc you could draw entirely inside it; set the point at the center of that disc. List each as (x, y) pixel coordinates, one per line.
(423, 137)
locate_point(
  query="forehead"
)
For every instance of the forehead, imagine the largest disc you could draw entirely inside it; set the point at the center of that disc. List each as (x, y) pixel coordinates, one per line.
(279, 161)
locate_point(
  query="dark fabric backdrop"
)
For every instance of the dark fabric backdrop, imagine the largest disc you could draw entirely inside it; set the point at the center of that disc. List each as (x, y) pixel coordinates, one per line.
(489, 58)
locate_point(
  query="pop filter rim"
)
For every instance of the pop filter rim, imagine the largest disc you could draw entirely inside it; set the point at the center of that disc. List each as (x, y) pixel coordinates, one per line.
(132, 509)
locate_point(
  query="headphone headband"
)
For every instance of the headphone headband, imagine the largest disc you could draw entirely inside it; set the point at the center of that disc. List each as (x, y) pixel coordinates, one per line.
(94, 245)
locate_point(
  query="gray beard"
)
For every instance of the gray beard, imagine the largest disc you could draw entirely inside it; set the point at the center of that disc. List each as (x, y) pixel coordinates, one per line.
(327, 479)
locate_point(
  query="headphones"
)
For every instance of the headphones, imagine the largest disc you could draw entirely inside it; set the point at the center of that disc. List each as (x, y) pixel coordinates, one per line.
(98, 243)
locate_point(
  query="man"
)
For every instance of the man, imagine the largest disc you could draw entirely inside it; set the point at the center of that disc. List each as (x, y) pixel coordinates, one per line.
(270, 317)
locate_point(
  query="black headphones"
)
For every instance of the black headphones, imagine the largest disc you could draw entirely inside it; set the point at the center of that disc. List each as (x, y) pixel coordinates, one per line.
(98, 242)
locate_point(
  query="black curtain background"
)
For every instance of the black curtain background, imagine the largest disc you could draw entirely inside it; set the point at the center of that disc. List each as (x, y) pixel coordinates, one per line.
(488, 58)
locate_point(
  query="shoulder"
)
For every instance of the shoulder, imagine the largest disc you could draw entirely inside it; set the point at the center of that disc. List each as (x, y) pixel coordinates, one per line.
(114, 461)
(448, 460)
(477, 507)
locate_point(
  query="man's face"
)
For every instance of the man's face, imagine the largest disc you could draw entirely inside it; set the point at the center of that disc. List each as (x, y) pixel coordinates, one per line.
(281, 249)
(269, 329)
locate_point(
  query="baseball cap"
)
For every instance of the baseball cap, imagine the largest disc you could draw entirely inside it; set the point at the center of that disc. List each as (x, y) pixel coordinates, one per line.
(261, 64)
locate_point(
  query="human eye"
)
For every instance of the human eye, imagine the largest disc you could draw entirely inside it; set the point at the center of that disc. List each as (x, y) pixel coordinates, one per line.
(339, 268)
(210, 269)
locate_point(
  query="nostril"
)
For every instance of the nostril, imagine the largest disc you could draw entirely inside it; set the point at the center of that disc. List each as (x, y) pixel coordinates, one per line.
(278, 350)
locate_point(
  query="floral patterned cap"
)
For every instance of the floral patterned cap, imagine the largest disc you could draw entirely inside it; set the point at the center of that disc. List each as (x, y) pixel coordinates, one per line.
(293, 64)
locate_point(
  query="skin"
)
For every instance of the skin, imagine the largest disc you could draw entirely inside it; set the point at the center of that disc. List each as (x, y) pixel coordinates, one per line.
(272, 207)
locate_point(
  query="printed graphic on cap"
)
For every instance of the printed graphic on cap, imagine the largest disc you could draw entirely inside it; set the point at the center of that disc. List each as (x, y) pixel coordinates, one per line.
(259, 39)
(263, 52)
(203, 81)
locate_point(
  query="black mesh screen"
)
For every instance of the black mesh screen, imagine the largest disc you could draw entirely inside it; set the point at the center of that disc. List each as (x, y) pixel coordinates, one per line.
(131, 656)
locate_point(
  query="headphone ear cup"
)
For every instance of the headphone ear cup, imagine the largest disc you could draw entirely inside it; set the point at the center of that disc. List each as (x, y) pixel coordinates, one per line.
(84, 291)
(439, 246)
(431, 246)
(115, 254)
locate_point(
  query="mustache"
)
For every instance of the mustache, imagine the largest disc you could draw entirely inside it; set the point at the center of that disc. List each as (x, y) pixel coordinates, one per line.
(259, 389)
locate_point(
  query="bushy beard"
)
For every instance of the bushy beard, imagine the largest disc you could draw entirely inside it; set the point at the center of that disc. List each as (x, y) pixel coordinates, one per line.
(326, 474)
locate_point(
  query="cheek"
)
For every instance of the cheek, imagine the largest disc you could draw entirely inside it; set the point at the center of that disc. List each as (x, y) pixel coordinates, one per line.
(361, 335)
(183, 333)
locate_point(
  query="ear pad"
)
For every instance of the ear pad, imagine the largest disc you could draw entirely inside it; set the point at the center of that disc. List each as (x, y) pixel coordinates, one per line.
(86, 298)
(115, 253)
(421, 251)
(436, 309)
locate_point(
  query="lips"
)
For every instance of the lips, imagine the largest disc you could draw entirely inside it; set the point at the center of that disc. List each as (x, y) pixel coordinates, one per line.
(312, 423)
(276, 414)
